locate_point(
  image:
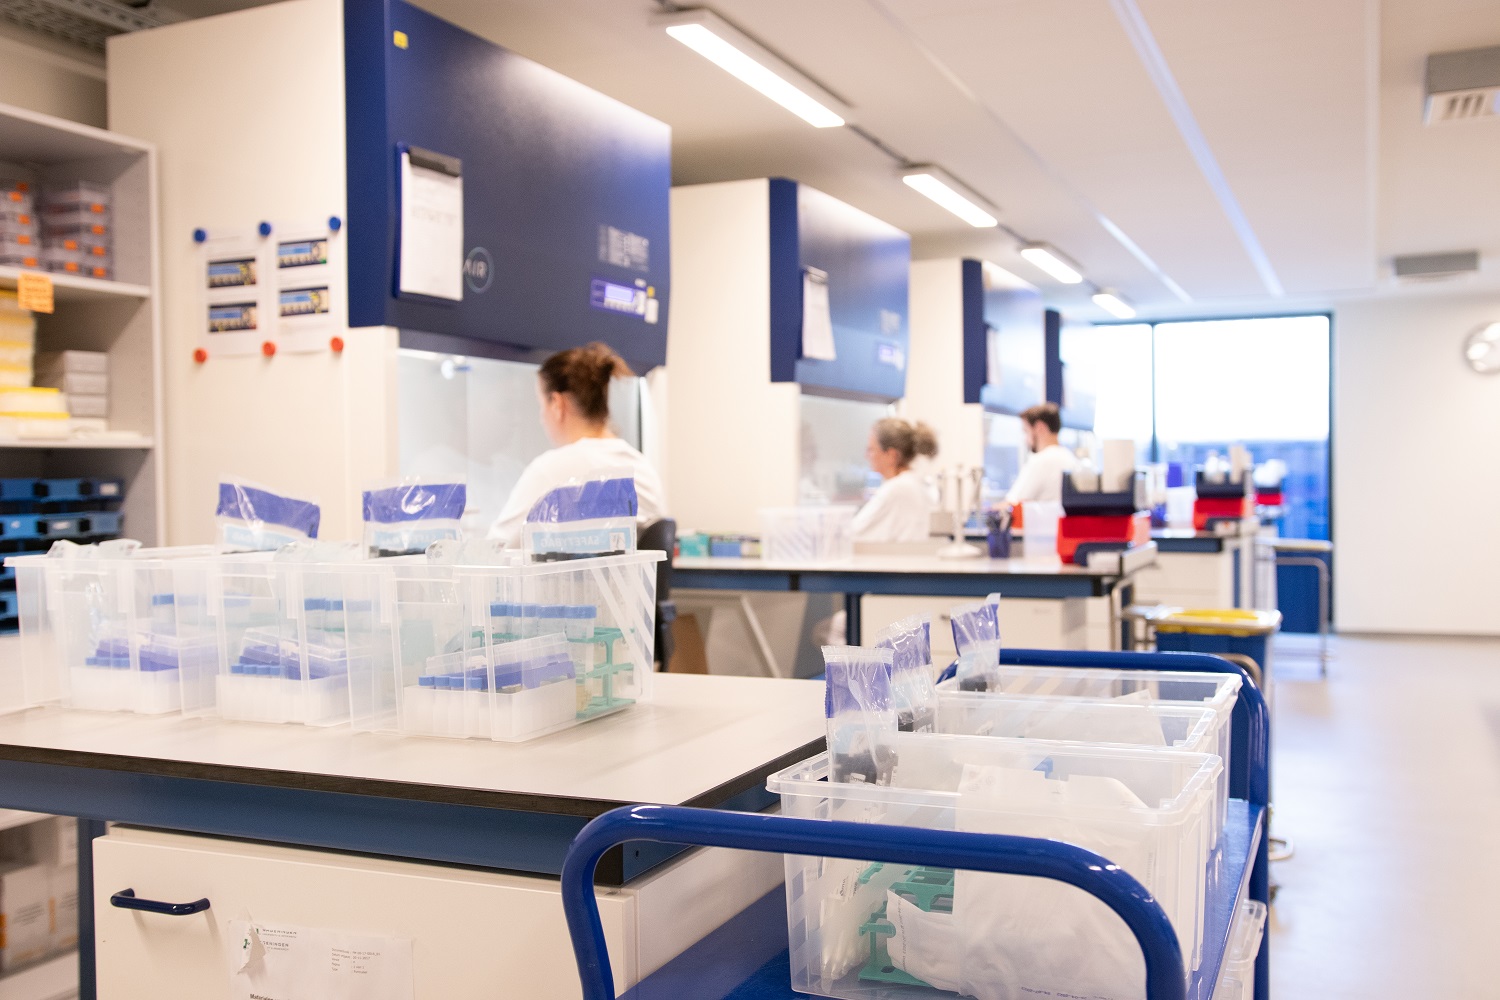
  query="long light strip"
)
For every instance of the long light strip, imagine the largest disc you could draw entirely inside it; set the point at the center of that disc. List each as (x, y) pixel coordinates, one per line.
(1111, 303)
(731, 50)
(1045, 259)
(947, 192)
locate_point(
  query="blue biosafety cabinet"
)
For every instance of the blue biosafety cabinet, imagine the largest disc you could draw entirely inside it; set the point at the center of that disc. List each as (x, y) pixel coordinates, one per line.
(866, 264)
(564, 194)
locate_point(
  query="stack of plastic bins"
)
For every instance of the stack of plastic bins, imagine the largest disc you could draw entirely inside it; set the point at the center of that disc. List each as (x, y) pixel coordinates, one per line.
(1219, 692)
(292, 633)
(807, 534)
(1080, 720)
(517, 651)
(115, 628)
(1237, 980)
(878, 932)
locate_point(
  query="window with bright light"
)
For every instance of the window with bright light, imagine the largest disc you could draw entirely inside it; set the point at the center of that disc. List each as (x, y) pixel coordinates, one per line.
(1192, 388)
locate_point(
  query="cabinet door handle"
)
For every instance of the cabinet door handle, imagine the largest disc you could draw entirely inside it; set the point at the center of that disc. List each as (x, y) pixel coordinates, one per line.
(126, 899)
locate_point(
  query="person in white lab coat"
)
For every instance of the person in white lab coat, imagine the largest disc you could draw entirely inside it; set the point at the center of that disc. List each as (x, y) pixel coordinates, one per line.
(901, 509)
(573, 394)
(1041, 477)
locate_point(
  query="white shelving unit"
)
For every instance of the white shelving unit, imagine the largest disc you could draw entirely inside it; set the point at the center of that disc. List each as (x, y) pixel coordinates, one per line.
(120, 317)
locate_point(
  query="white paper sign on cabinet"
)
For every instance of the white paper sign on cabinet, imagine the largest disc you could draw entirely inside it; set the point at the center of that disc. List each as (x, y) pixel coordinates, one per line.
(283, 962)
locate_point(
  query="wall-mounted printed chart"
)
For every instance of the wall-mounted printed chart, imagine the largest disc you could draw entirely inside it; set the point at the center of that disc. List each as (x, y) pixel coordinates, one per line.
(236, 318)
(307, 310)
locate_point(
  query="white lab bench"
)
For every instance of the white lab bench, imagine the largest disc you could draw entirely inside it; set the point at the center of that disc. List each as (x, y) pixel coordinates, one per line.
(1047, 604)
(452, 844)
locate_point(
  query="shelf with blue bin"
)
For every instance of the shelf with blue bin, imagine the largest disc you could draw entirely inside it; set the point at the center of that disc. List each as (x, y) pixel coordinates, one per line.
(748, 956)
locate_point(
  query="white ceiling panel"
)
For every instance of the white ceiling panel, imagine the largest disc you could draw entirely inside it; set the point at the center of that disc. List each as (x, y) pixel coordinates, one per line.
(1281, 90)
(1066, 78)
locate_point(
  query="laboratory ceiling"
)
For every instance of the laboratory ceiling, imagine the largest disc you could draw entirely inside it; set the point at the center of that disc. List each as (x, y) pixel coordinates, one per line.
(1185, 153)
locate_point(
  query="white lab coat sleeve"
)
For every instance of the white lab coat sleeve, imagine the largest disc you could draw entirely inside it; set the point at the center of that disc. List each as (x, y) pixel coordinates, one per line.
(1028, 483)
(869, 524)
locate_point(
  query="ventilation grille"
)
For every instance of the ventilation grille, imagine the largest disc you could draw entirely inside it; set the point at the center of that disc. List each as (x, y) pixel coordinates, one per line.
(1437, 265)
(85, 23)
(1462, 107)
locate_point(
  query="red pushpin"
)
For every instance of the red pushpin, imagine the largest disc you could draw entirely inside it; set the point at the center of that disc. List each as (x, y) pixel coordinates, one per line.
(268, 349)
(200, 355)
(336, 345)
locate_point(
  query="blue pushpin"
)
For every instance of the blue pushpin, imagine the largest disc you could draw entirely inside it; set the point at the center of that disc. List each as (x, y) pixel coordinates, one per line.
(265, 229)
(200, 235)
(335, 223)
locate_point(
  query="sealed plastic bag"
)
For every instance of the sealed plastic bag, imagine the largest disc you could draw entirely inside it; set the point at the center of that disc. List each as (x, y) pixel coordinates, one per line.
(861, 720)
(251, 517)
(1021, 936)
(979, 667)
(594, 518)
(978, 621)
(913, 693)
(405, 518)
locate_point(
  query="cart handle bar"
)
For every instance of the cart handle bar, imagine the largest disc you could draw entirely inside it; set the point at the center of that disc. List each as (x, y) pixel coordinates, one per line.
(1165, 977)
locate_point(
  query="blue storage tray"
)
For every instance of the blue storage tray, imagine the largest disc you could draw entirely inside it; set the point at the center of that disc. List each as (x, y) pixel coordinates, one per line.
(17, 489)
(99, 523)
(86, 488)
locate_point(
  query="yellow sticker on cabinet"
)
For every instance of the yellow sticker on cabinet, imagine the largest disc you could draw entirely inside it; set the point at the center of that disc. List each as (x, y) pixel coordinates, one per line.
(34, 291)
(400, 39)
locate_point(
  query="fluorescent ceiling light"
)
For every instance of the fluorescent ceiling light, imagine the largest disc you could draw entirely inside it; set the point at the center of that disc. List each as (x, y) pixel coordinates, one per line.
(1048, 260)
(1111, 303)
(724, 45)
(935, 183)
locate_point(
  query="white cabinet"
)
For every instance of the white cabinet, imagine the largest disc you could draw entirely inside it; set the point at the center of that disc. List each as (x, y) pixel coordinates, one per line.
(474, 934)
(1189, 579)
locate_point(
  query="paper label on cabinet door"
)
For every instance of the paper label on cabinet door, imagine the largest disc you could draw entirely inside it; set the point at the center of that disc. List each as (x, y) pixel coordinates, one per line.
(285, 962)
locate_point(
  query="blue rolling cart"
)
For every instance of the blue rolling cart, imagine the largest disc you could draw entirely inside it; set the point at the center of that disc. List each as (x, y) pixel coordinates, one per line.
(747, 959)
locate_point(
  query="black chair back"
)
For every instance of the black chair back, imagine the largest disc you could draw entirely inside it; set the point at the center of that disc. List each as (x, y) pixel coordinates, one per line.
(662, 536)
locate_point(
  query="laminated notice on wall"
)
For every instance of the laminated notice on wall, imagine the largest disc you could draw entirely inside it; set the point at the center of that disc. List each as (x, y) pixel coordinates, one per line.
(236, 319)
(432, 225)
(817, 317)
(283, 962)
(305, 286)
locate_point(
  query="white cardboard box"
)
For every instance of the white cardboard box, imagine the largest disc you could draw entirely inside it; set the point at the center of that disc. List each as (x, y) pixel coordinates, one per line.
(62, 884)
(87, 406)
(25, 915)
(73, 383)
(94, 362)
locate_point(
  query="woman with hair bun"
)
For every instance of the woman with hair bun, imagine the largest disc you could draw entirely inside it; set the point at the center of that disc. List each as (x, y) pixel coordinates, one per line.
(901, 509)
(573, 395)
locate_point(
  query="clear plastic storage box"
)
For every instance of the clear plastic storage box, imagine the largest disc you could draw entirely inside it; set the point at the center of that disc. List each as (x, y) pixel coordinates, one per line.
(114, 628)
(1237, 980)
(294, 635)
(1219, 692)
(1144, 725)
(512, 652)
(867, 931)
(807, 534)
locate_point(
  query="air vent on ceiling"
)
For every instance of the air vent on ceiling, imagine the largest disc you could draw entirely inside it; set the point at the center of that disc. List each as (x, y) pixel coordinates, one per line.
(1427, 266)
(1462, 86)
